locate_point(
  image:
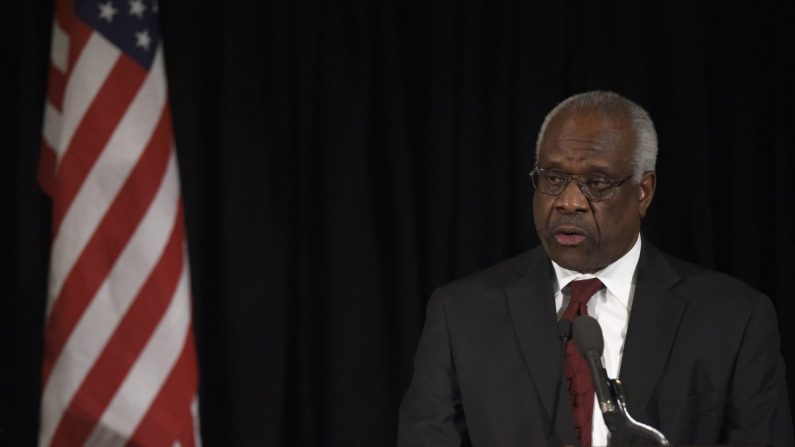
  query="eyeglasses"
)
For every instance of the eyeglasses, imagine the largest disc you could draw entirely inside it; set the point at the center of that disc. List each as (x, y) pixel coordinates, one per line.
(593, 187)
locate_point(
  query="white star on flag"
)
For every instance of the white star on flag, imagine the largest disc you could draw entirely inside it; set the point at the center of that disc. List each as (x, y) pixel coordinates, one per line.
(137, 8)
(107, 11)
(142, 39)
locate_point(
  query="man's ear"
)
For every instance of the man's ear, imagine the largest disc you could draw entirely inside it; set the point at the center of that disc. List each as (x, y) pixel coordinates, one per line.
(646, 187)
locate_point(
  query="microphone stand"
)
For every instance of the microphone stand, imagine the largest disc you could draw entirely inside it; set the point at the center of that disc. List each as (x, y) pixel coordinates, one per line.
(617, 390)
(564, 332)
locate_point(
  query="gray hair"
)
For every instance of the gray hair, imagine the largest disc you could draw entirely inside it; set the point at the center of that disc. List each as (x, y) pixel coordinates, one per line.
(614, 105)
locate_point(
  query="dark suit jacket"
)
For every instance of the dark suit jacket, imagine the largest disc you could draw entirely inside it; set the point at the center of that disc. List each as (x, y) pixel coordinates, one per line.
(701, 360)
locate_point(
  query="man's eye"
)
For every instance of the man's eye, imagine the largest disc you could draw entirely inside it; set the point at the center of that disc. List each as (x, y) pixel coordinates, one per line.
(598, 184)
(555, 179)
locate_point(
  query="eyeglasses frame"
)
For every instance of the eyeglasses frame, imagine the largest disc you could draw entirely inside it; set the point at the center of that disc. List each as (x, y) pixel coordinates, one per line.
(614, 184)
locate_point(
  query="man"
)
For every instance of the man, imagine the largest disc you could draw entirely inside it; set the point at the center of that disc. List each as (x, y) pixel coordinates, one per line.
(697, 351)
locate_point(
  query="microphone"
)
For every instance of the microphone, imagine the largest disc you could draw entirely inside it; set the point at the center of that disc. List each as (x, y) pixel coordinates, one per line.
(590, 344)
(610, 393)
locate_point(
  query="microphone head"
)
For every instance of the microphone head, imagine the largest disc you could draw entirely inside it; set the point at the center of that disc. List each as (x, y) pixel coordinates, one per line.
(564, 328)
(588, 335)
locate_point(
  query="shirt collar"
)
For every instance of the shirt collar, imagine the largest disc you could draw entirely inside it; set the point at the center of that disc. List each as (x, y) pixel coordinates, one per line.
(617, 277)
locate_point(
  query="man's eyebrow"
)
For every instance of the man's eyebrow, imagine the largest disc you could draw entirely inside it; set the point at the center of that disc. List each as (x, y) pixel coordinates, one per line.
(592, 171)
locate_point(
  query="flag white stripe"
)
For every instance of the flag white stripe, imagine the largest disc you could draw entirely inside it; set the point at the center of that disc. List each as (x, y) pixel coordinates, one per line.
(152, 367)
(59, 49)
(52, 125)
(194, 411)
(112, 300)
(90, 71)
(107, 176)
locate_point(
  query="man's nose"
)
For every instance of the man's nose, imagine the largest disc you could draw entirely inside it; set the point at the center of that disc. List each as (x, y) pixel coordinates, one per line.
(571, 199)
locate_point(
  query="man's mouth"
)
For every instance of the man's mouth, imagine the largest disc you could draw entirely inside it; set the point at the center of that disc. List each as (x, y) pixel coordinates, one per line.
(569, 236)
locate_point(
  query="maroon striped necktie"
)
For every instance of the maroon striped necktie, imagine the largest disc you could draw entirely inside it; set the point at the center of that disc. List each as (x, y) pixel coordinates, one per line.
(581, 391)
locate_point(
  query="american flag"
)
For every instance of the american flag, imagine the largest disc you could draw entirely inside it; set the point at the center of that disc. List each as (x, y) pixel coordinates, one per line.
(119, 360)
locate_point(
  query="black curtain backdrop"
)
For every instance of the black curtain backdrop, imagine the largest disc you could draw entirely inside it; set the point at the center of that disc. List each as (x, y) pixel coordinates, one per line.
(339, 161)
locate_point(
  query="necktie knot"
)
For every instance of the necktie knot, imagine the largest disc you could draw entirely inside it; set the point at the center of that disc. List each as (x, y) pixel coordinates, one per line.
(582, 291)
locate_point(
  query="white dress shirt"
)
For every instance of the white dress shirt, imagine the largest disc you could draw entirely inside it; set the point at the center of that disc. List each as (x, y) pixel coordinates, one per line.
(610, 306)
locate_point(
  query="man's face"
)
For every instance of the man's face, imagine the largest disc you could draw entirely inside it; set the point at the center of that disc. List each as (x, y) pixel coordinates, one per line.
(576, 233)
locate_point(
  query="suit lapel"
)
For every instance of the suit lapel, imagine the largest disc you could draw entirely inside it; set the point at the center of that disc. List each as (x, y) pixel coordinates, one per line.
(653, 323)
(532, 307)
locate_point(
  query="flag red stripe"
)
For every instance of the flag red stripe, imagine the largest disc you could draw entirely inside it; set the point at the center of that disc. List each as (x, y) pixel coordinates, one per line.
(79, 32)
(125, 345)
(56, 85)
(94, 131)
(112, 234)
(167, 420)
(46, 172)
(187, 438)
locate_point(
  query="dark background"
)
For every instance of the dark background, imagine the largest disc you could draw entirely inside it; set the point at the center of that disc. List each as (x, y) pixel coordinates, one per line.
(341, 161)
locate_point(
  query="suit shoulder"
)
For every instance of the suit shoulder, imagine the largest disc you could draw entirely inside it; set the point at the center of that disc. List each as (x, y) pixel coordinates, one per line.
(492, 279)
(702, 283)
